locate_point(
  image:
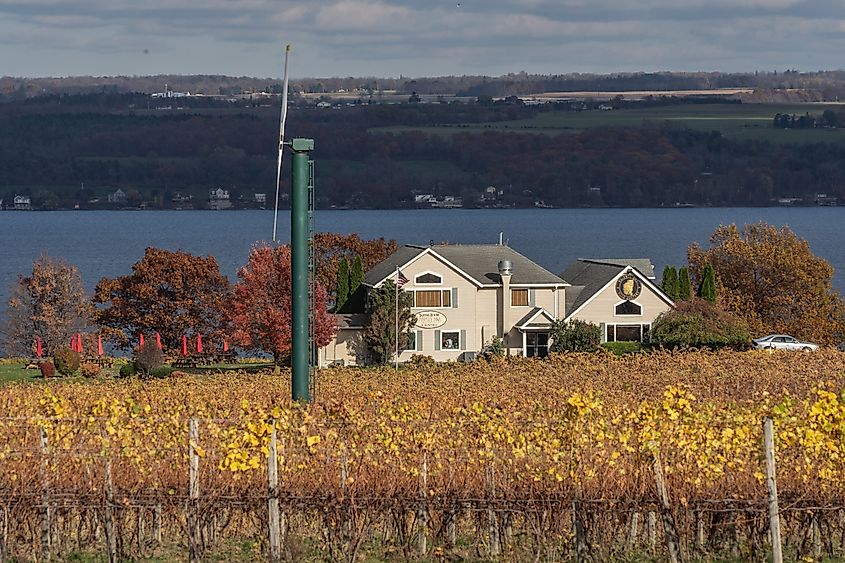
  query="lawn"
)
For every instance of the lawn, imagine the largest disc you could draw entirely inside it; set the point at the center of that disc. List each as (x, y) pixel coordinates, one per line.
(740, 121)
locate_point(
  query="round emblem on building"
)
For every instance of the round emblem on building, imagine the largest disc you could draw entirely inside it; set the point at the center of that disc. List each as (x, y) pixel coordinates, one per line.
(628, 287)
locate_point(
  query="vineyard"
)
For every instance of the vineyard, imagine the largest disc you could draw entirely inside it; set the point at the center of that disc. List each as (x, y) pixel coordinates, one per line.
(514, 460)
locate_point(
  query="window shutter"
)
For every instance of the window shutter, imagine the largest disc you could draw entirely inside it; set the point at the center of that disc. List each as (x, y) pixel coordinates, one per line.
(531, 297)
(603, 329)
(454, 297)
(419, 342)
(437, 340)
(463, 341)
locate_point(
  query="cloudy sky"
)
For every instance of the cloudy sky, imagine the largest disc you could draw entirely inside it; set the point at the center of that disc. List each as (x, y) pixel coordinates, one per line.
(416, 38)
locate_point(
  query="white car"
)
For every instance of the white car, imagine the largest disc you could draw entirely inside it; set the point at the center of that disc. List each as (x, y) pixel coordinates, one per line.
(783, 342)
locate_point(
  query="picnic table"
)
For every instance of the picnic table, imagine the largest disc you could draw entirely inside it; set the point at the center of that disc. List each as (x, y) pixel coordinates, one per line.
(33, 363)
(102, 361)
(203, 359)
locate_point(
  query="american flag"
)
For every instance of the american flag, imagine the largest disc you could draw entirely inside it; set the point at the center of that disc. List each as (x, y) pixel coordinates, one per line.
(400, 278)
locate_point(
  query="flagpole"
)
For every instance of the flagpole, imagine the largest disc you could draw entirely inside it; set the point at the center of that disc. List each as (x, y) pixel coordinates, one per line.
(397, 319)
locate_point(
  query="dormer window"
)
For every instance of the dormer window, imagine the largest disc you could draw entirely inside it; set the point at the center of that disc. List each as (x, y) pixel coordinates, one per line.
(428, 278)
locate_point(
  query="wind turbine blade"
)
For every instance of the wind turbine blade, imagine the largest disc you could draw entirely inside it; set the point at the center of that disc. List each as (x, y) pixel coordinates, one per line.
(282, 119)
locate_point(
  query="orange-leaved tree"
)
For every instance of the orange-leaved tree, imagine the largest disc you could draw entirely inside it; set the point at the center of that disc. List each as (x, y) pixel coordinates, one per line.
(170, 292)
(261, 304)
(770, 277)
(329, 248)
(49, 304)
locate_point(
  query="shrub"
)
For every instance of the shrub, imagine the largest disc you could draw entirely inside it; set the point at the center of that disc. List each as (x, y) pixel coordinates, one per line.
(620, 348)
(91, 369)
(66, 360)
(47, 369)
(699, 324)
(421, 360)
(128, 370)
(149, 358)
(161, 372)
(575, 336)
(494, 349)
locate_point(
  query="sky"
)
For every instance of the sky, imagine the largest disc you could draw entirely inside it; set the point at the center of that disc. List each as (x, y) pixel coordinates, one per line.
(391, 38)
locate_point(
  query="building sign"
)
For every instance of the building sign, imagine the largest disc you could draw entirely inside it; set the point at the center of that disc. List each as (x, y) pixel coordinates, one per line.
(430, 319)
(628, 287)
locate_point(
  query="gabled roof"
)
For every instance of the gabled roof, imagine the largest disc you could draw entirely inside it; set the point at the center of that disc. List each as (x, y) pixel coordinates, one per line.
(536, 318)
(589, 276)
(478, 262)
(644, 265)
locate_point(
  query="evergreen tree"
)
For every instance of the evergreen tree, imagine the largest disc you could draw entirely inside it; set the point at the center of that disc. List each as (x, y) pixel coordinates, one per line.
(707, 287)
(684, 285)
(380, 332)
(355, 303)
(669, 284)
(342, 287)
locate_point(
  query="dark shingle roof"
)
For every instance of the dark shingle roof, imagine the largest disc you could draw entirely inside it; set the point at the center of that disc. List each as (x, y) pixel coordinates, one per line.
(644, 265)
(479, 261)
(388, 266)
(589, 275)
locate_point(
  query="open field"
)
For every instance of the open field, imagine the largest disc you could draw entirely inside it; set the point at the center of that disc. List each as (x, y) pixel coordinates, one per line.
(476, 461)
(738, 121)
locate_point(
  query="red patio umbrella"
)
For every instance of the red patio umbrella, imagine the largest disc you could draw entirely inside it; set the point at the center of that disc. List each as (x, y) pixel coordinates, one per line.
(38, 349)
(73, 342)
(225, 346)
(78, 342)
(100, 345)
(199, 343)
(141, 341)
(184, 345)
(158, 340)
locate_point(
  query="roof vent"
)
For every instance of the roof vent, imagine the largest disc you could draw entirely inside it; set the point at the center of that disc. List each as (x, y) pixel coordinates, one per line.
(505, 268)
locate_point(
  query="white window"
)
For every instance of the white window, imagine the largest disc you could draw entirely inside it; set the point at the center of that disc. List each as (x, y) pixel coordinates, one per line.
(450, 340)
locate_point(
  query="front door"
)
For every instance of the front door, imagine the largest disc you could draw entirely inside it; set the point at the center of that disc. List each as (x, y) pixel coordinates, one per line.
(536, 344)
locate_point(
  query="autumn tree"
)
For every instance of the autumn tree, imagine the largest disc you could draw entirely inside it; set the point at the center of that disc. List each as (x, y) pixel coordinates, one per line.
(49, 304)
(170, 292)
(329, 248)
(380, 332)
(261, 304)
(769, 277)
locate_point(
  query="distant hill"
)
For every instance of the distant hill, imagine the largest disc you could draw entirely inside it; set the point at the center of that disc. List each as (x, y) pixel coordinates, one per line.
(817, 86)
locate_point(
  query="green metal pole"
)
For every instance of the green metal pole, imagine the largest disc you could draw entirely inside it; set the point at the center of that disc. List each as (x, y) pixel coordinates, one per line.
(299, 267)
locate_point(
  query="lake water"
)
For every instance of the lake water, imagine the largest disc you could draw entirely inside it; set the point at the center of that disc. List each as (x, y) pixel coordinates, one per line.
(107, 243)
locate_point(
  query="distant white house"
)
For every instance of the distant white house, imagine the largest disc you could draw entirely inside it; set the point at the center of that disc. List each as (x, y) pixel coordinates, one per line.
(424, 198)
(168, 93)
(22, 203)
(260, 198)
(219, 199)
(119, 196)
(448, 201)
